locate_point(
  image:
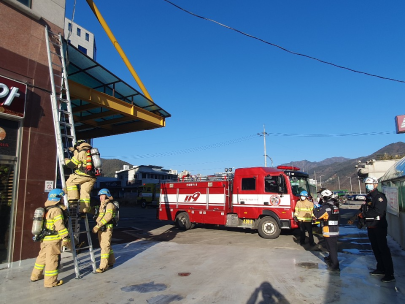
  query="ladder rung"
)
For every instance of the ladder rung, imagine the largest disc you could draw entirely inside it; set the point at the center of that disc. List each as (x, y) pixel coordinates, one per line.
(81, 248)
(58, 65)
(53, 33)
(57, 44)
(56, 54)
(81, 232)
(68, 136)
(65, 112)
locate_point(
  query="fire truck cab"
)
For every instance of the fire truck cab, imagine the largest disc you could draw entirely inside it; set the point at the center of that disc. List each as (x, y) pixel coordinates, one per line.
(259, 198)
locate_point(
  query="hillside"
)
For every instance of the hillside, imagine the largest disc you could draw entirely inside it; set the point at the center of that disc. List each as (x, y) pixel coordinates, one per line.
(339, 169)
(109, 166)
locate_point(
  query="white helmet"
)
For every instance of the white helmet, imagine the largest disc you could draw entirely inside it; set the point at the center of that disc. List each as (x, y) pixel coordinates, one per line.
(326, 193)
(370, 180)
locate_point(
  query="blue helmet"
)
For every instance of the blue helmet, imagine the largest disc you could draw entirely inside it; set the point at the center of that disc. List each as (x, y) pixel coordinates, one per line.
(104, 191)
(55, 195)
(304, 193)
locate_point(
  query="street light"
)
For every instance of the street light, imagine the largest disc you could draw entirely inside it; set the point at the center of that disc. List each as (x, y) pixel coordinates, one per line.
(359, 186)
(351, 187)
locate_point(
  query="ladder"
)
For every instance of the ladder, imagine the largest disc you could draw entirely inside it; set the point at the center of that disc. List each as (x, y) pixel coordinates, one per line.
(65, 137)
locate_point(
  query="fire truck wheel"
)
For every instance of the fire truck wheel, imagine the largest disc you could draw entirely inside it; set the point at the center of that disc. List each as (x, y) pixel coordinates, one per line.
(268, 228)
(143, 204)
(182, 221)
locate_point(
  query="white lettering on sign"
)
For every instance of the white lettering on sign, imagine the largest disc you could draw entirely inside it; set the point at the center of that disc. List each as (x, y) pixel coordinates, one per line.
(5, 91)
(403, 123)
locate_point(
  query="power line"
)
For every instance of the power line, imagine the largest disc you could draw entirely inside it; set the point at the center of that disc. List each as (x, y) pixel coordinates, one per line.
(284, 49)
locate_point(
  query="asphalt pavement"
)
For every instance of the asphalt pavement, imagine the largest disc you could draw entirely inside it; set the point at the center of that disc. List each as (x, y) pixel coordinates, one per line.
(159, 264)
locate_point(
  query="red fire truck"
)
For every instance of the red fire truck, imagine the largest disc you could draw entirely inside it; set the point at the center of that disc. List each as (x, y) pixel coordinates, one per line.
(259, 198)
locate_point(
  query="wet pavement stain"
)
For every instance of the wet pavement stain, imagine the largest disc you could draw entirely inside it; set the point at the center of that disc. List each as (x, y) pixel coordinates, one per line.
(164, 299)
(308, 265)
(144, 288)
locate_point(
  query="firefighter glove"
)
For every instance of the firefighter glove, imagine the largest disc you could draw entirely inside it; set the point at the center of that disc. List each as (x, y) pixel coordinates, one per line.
(350, 222)
(361, 215)
(95, 229)
(66, 243)
(295, 219)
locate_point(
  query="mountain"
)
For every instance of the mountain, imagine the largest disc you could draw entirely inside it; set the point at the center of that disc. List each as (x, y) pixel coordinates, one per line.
(339, 170)
(109, 166)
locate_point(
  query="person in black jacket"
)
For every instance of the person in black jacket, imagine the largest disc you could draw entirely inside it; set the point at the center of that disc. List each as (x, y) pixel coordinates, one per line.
(328, 213)
(376, 222)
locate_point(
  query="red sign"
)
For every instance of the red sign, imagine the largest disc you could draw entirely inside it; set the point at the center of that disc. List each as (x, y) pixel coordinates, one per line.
(12, 97)
(400, 123)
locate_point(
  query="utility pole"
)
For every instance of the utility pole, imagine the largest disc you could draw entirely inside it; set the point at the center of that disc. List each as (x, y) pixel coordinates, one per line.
(264, 134)
(339, 182)
(320, 181)
(316, 182)
(351, 187)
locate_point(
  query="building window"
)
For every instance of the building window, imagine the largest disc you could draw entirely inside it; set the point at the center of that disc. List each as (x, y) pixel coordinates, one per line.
(69, 27)
(25, 2)
(79, 31)
(87, 37)
(82, 49)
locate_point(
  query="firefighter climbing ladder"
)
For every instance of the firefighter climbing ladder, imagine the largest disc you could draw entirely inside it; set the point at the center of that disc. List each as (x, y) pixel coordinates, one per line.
(65, 136)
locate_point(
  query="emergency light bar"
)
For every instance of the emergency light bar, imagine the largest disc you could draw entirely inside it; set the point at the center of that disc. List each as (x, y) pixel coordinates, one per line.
(288, 168)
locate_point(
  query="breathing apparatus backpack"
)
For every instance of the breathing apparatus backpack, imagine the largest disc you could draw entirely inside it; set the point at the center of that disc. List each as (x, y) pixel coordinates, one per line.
(116, 217)
(93, 162)
(39, 229)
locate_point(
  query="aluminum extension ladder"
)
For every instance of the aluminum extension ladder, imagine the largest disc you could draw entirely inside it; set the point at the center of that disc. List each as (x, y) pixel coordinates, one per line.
(65, 137)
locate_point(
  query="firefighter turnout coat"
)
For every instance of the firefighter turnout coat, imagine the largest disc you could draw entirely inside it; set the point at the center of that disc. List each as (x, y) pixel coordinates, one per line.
(80, 162)
(105, 228)
(304, 211)
(47, 262)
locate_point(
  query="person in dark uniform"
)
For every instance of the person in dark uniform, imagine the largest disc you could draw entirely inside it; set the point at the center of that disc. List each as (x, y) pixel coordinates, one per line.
(328, 214)
(376, 222)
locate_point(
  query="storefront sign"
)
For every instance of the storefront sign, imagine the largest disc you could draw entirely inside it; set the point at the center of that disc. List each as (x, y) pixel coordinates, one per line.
(8, 137)
(392, 199)
(12, 97)
(400, 123)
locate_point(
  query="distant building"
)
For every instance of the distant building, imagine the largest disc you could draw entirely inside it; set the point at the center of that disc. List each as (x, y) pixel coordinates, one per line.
(139, 175)
(374, 168)
(80, 38)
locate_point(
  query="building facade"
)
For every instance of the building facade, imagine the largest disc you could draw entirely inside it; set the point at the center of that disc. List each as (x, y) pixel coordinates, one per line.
(27, 145)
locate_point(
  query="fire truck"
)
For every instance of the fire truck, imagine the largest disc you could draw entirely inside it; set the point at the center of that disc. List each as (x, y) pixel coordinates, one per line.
(261, 198)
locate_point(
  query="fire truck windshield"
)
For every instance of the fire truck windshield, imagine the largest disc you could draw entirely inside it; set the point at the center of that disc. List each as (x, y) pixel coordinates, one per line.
(298, 184)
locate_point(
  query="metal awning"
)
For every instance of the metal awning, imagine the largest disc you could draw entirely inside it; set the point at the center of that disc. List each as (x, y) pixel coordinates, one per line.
(103, 104)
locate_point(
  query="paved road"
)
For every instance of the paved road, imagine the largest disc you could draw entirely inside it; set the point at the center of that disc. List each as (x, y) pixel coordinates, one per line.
(159, 264)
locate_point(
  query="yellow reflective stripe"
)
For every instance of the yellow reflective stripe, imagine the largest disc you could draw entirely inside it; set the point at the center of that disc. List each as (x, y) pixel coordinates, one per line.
(52, 238)
(109, 226)
(58, 218)
(85, 200)
(72, 188)
(105, 256)
(103, 221)
(111, 251)
(51, 273)
(62, 233)
(102, 213)
(110, 211)
(75, 161)
(80, 173)
(39, 266)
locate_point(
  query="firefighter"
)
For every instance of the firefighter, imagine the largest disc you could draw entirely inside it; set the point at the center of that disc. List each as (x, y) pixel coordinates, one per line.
(376, 223)
(328, 213)
(303, 214)
(55, 236)
(83, 176)
(104, 229)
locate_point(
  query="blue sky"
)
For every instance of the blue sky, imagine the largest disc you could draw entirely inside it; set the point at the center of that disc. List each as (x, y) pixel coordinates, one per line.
(221, 87)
